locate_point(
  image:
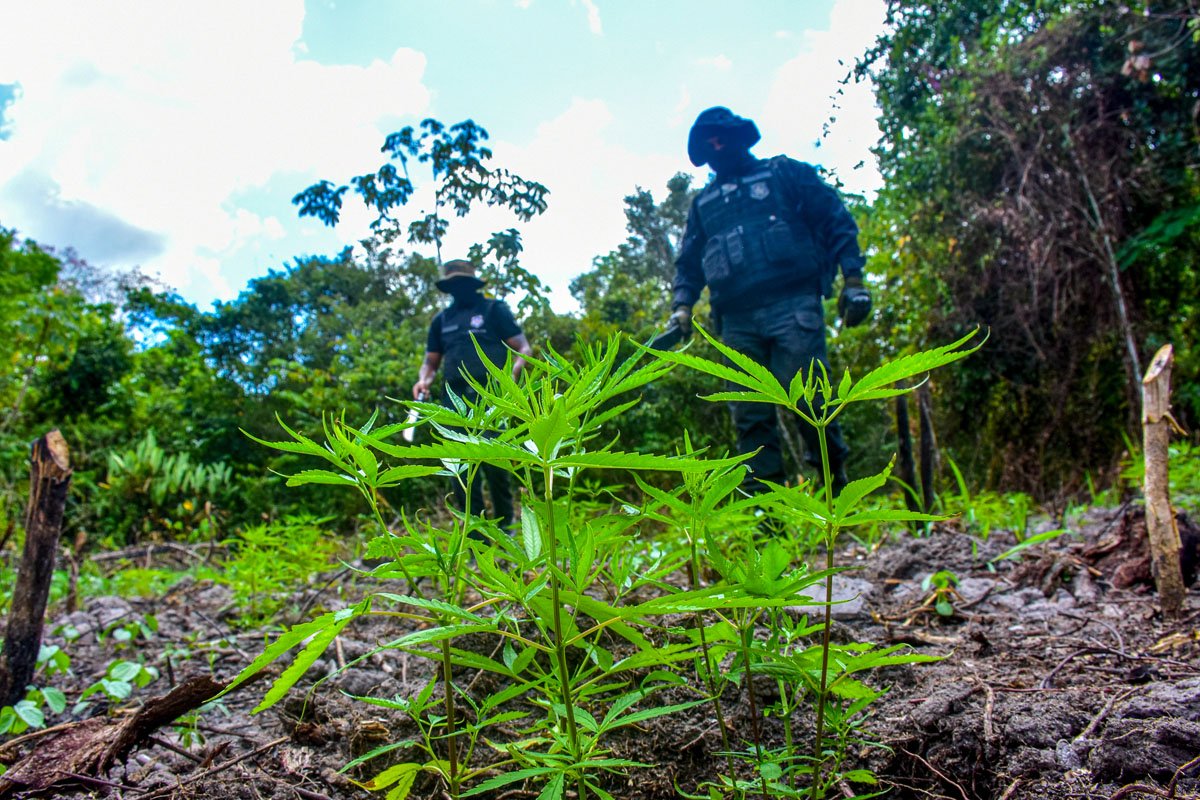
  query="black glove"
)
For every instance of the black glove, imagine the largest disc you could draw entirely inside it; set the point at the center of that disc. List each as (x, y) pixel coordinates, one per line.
(854, 304)
(682, 318)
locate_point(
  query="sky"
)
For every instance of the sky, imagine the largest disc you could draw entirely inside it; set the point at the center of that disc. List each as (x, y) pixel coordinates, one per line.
(171, 136)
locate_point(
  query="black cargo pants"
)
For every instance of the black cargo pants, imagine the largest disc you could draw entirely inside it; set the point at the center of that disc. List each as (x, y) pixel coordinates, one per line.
(786, 336)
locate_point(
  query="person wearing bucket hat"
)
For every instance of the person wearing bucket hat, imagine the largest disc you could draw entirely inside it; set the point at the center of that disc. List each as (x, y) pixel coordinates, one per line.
(469, 319)
(767, 237)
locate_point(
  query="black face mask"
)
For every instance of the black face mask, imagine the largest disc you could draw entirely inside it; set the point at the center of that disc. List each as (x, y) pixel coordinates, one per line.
(728, 160)
(463, 294)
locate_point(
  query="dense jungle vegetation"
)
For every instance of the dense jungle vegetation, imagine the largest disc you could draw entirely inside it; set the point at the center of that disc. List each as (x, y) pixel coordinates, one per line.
(1041, 185)
(1040, 181)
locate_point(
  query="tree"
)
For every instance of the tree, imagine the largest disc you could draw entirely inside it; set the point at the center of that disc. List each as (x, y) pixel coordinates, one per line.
(1031, 149)
(457, 163)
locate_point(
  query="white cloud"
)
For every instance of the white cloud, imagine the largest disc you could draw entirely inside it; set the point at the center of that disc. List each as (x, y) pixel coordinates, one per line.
(161, 112)
(799, 102)
(593, 17)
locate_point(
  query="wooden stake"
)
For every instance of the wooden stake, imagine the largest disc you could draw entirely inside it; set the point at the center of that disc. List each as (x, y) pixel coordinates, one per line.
(49, 479)
(1160, 517)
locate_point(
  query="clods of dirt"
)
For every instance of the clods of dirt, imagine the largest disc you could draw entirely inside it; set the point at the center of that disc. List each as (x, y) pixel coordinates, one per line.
(1059, 678)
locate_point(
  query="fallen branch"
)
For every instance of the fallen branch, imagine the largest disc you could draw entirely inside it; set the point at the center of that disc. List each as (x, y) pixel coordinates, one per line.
(88, 748)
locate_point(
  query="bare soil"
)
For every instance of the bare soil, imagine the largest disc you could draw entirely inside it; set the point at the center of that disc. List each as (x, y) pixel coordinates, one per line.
(1061, 678)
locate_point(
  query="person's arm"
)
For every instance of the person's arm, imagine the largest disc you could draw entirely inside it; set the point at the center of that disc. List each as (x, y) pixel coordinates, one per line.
(509, 332)
(433, 359)
(520, 347)
(828, 218)
(689, 275)
(429, 368)
(837, 235)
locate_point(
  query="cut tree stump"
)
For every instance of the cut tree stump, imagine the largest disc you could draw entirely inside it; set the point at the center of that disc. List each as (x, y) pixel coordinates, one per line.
(49, 479)
(1161, 527)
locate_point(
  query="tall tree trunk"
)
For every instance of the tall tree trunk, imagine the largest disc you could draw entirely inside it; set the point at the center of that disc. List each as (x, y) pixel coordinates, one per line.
(1133, 367)
(929, 448)
(906, 468)
(49, 479)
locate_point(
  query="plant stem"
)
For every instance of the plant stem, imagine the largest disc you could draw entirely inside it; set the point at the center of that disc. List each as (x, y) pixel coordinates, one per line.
(746, 634)
(830, 535)
(785, 699)
(560, 650)
(451, 727)
(818, 760)
(694, 580)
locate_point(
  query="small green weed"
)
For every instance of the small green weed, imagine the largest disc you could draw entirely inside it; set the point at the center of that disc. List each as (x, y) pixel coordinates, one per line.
(268, 561)
(942, 592)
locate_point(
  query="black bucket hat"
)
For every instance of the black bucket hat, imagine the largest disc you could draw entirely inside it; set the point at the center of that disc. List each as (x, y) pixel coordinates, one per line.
(740, 132)
(459, 272)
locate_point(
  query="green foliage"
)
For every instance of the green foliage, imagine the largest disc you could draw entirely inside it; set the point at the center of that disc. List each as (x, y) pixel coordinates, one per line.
(556, 595)
(940, 586)
(119, 681)
(997, 117)
(30, 711)
(982, 512)
(1183, 474)
(152, 493)
(268, 561)
(457, 163)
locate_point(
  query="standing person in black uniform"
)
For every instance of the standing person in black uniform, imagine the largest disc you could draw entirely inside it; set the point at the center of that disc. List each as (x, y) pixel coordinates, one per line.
(472, 318)
(766, 237)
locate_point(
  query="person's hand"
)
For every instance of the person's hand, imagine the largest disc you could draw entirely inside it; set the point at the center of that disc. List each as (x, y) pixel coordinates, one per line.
(854, 304)
(420, 390)
(681, 317)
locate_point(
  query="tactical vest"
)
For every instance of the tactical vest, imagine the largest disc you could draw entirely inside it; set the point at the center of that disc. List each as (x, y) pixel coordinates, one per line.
(461, 328)
(756, 242)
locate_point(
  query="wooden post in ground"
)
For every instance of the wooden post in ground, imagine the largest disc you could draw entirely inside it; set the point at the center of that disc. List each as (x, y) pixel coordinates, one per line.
(49, 479)
(1161, 527)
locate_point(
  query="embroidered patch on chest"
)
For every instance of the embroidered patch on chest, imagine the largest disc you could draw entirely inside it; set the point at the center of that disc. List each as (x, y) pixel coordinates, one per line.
(759, 191)
(477, 321)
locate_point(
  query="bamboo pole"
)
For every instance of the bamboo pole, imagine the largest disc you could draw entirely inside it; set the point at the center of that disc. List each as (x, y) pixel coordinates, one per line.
(1161, 527)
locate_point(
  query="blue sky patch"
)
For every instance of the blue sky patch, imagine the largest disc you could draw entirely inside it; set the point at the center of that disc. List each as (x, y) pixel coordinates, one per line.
(8, 92)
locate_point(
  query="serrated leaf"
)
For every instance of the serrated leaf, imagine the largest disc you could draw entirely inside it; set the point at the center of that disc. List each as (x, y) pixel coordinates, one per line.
(860, 776)
(621, 460)
(303, 660)
(438, 634)
(856, 490)
(295, 636)
(553, 789)
(888, 515)
(506, 778)
(393, 475)
(531, 533)
(399, 772)
(878, 382)
(320, 476)
(761, 378)
(439, 607)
